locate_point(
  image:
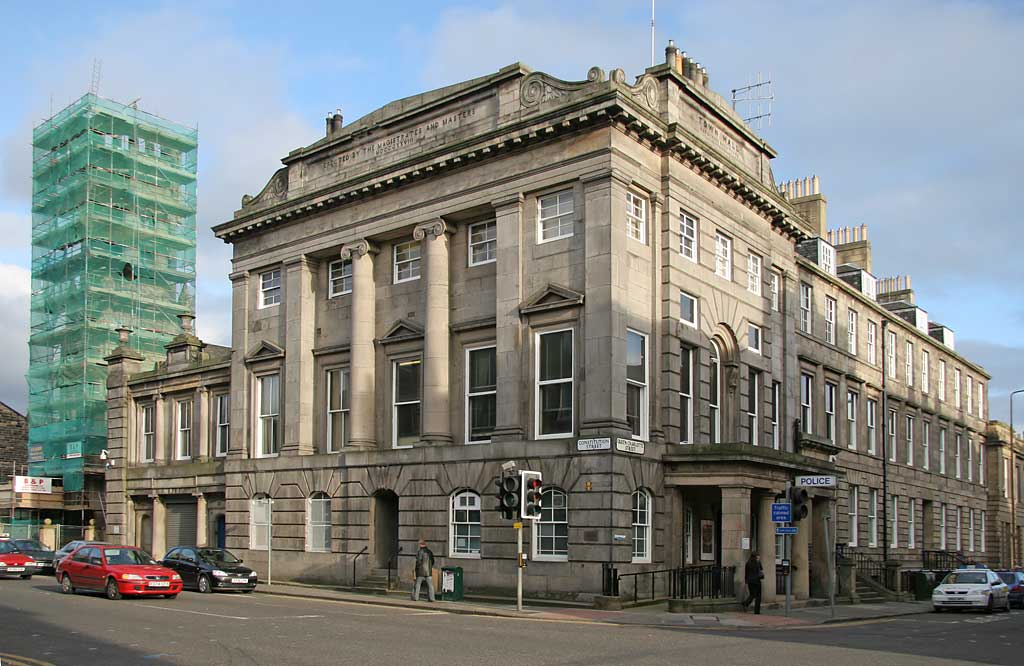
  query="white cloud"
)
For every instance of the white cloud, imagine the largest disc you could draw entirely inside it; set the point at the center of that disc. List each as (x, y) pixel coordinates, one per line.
(14, 303)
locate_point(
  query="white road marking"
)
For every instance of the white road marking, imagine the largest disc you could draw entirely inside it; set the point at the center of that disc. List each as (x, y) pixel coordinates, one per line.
(181, 610)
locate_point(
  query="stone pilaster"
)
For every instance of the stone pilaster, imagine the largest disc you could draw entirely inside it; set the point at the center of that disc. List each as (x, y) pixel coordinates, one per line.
(201, 424)
(766, 545)
(161, 451)
(603, 395)
(800, 557)
(298, 358)
(433, 236)
(362, 364)
(202, 528)
(159, 527)
(735, 526)
(509, 422)
(239, 445)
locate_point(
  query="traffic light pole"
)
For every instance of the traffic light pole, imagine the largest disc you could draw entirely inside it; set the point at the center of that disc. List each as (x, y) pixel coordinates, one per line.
(519, 563)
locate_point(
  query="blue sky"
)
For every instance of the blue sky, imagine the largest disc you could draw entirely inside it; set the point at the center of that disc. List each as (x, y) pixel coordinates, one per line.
(908, 112)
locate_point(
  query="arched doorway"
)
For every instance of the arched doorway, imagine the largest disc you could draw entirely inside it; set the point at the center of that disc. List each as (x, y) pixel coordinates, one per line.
(145, 533)
(385, 527)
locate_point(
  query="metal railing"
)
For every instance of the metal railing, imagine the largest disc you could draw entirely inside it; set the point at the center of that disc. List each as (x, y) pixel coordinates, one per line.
(707, 582)
(667, 576)
(942, 560)
(358, 555)
(865, 564)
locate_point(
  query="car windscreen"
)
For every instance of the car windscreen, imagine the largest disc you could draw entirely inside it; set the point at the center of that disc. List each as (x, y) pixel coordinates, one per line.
(1008, 577)
(217, 556)
(7, 547)
(29, 544)
(966, 578)
(126, 556)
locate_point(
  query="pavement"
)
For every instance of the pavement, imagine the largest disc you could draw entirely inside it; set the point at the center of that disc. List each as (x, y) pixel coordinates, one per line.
(652, 615)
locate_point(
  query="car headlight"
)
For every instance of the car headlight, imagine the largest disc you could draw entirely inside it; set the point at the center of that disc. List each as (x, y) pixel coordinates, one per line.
(129, 576)
(175, 577)
(252, 574)
(219, 574)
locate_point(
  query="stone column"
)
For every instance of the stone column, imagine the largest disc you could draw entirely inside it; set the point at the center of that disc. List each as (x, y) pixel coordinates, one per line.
(735, 526)
(511, 398)
(159, 527)
(801, 541)
(201, 424)
(202, 529)
(820, 550)
(766, 545)
(433, 237)
(362, 363)
(160, 449)
(298, 358)
(238, 444)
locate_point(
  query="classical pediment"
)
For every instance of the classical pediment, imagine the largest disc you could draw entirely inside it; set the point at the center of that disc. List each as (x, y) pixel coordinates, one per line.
(264, 351)
(402, 330)
(551, 297)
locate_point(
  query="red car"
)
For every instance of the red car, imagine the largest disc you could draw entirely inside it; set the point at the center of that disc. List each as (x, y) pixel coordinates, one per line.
(13, 562)
(116, 570)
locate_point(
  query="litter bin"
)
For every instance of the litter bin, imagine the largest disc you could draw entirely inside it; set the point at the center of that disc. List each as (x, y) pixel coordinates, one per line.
(451, 584)
(924, 583)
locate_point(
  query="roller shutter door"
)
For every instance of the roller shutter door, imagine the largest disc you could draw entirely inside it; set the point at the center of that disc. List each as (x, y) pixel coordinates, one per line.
(181, 524)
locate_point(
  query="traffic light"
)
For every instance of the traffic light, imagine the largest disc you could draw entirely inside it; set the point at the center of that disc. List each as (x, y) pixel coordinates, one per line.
(508, 495)
(533, 491)
(798, 499)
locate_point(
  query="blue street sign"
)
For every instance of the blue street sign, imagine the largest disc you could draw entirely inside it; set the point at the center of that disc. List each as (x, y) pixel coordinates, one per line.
(782, 512)
(784, 530)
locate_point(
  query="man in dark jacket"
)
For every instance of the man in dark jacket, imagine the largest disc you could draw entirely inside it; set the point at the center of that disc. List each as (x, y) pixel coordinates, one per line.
(424, 571)
(753, 574)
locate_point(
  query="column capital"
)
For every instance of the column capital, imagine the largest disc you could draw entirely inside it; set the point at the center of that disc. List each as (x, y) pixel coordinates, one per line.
(432, 228)
(239, 276)
(356, 249)
(303, 260)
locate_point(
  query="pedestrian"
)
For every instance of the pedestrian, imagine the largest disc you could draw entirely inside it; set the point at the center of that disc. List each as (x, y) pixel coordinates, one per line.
(753, 575)
(424, 571)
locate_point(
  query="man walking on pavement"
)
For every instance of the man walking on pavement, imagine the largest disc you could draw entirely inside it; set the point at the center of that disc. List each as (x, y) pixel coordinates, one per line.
(752, 575)
(424, 571)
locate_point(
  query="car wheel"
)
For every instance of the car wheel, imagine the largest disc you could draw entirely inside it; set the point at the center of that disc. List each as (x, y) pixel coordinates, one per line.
(204, 584)
(936, 609)
(65, 585)
(26, 577)
(991, 605)
(113, 591)
(247, 591)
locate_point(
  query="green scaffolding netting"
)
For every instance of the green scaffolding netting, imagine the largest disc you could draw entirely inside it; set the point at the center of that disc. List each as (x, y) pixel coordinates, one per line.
(113, 244)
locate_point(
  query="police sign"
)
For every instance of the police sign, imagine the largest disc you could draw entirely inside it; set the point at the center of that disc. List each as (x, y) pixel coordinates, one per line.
(815, 482)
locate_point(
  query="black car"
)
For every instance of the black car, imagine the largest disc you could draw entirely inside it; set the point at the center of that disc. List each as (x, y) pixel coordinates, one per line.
(1015, 581)
(38, 552)
(209, 569)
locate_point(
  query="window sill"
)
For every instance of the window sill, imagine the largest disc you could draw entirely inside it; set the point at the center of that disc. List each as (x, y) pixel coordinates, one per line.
(464, 556)
(557, 238)
(640, 560)
(550, 558)
(340, 294)
(267, 455)
(267, 307)
(483, 263)
(560, 435)
(412, 279)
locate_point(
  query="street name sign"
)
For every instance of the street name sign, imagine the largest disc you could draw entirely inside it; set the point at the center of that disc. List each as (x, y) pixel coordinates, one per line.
(782, 512)
(597, 444)
(816, 482)
(779, 529)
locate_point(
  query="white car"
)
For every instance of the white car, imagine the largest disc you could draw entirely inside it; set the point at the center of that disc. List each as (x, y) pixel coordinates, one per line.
(971, 588)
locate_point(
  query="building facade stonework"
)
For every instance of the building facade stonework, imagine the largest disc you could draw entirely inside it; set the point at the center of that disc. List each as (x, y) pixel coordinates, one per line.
(598, 280)
(13, 443)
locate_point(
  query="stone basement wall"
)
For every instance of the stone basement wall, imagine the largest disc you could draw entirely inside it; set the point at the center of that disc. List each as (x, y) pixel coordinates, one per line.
(13, 442)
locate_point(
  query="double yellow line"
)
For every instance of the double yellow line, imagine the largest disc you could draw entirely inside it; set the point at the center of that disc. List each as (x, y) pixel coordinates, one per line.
(16, 660)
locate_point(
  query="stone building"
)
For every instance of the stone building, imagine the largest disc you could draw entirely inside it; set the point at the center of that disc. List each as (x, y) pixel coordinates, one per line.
(599, 280)
(13, 442)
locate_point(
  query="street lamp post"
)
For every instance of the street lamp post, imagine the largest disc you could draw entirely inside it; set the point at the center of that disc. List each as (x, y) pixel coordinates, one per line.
(1013, 485)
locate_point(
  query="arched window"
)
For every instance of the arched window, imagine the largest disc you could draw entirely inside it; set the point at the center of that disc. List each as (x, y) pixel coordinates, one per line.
(259, 522)
(318, 523)
(715, 394)
(464, 525)
(642, 509)
(551, 532)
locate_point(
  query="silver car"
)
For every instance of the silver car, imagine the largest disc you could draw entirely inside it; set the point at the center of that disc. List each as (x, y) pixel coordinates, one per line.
(971, 588)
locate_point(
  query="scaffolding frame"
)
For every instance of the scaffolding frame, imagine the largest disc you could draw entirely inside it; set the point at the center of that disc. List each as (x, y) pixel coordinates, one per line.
(113, 244)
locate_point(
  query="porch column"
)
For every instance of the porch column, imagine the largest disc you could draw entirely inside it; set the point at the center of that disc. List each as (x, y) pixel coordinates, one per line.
(202, 528)
(766, 545)
(433, 237)
(159, 527)
(362, 365)
(509, 424)
(735, 526)
(298, 360)
(800, 561)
